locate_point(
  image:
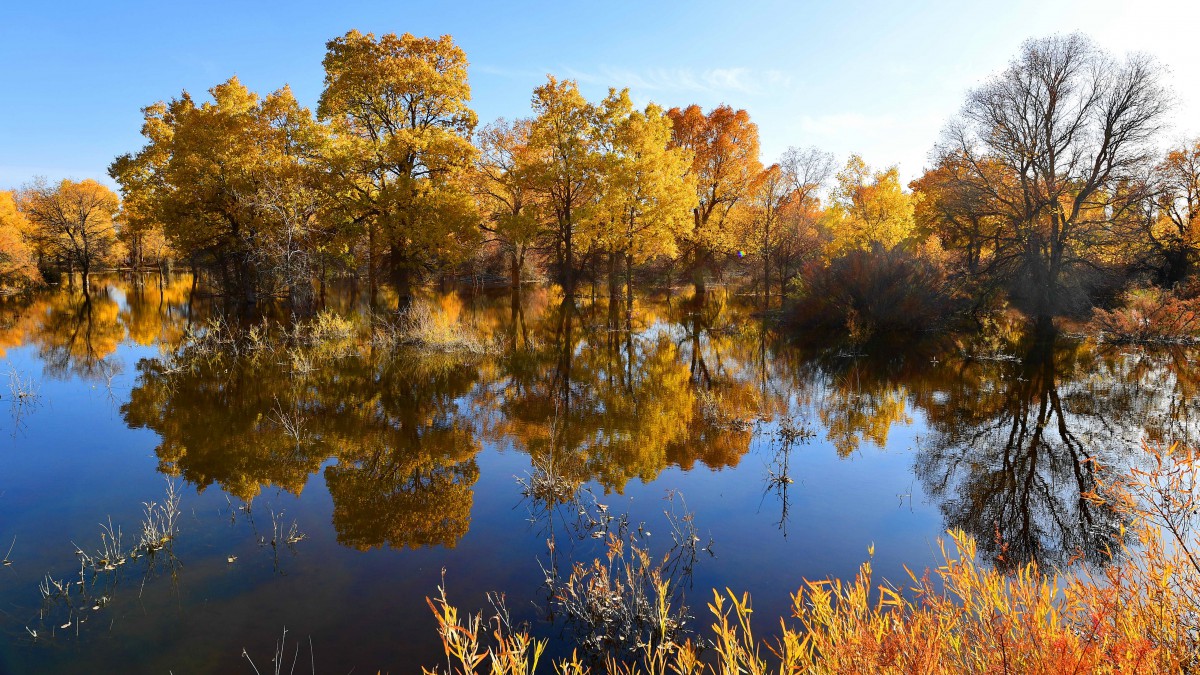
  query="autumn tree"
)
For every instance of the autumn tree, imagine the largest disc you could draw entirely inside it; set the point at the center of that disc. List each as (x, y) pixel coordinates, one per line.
(950, 206)
(868, 208)
(646, 189)
(72, 222)
(1065, 125)
(724, 147)
(399, 111)
(563, 135)
(800, 239)
(768, 199)
(504, 185)
(140, 231)
(17, 268)
(1173, 228)
(782, 200)
(234, 182)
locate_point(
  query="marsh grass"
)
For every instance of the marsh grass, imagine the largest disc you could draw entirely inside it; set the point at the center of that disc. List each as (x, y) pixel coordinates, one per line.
(278, 659)
(69, 602)
(291, 421)
(1139, 615)
(435, 329)
(716, 413)
(20, 387)
(161, 521)
(23, 395)
(470, 647)
(282, 535)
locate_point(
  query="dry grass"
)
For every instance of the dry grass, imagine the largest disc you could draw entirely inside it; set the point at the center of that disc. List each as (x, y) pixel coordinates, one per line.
(1141, 615)
(434, 328)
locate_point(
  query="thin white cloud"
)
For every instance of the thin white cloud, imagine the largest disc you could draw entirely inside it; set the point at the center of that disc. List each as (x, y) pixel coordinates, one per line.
(711, 81)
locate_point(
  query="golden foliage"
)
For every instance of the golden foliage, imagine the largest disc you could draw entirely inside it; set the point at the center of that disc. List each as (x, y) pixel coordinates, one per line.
(647, 189)
(868, 208)
(17, 269)
(724, 147)
(398, 108)
(72, 221)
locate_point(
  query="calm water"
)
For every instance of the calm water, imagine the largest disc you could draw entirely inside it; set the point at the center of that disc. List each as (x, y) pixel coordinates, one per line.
(396, 467)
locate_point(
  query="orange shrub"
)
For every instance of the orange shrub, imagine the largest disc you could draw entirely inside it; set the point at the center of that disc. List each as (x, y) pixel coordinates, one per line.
(1150, 315)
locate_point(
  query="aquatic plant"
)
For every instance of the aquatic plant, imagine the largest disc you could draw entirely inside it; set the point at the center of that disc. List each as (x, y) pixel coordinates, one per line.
(436, 329)
(1141, 614)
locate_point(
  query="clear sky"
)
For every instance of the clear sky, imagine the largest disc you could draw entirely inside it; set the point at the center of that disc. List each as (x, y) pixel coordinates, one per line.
(877, 78)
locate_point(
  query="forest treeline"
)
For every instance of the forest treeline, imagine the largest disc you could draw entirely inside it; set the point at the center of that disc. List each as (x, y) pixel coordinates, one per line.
(1050, 190)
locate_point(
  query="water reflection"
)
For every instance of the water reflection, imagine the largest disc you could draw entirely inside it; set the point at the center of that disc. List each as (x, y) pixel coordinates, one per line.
(608, 394)
(1007, 445)
(1017, 445)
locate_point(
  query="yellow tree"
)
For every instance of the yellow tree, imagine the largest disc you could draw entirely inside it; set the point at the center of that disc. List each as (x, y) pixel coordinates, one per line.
(399, 110)
(141, 231)
(234, 182)
(504, 186)
(647, 190)
(563, 135)
(960, 216)
(868, 208)
(17, 267)
(72, 221)
(724, 147)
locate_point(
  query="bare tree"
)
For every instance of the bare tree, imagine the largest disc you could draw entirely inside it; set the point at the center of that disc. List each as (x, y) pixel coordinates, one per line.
(807, 169)
(804, 173)
(1050, 143)
(780, 194)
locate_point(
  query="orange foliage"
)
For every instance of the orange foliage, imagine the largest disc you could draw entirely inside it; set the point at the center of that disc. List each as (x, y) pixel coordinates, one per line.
(16, 260)
(1150, 315)
(724, 147)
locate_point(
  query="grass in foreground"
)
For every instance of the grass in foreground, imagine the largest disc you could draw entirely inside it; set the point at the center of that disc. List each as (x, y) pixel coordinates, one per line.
(1140, 615)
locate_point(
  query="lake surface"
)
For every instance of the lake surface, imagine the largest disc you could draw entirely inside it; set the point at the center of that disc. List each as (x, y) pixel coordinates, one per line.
(393, 465)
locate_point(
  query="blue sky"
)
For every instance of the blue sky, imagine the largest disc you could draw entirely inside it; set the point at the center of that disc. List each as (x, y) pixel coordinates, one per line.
(877, 78)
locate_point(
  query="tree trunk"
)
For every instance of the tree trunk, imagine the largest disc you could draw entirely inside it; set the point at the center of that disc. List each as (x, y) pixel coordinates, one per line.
(766, 280)
(568, 272)
(372, 281)
(614, 276)
(401, 278)
(629, 284)
(698, 254)
(514, 271)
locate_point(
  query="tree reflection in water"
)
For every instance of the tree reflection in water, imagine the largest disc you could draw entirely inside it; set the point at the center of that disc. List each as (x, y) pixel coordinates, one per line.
(1008, 463)
(1009, 448)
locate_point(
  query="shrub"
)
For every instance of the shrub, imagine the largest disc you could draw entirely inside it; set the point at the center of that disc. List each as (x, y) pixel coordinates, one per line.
(868, 293)
(434, 328)
(1150, 315)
